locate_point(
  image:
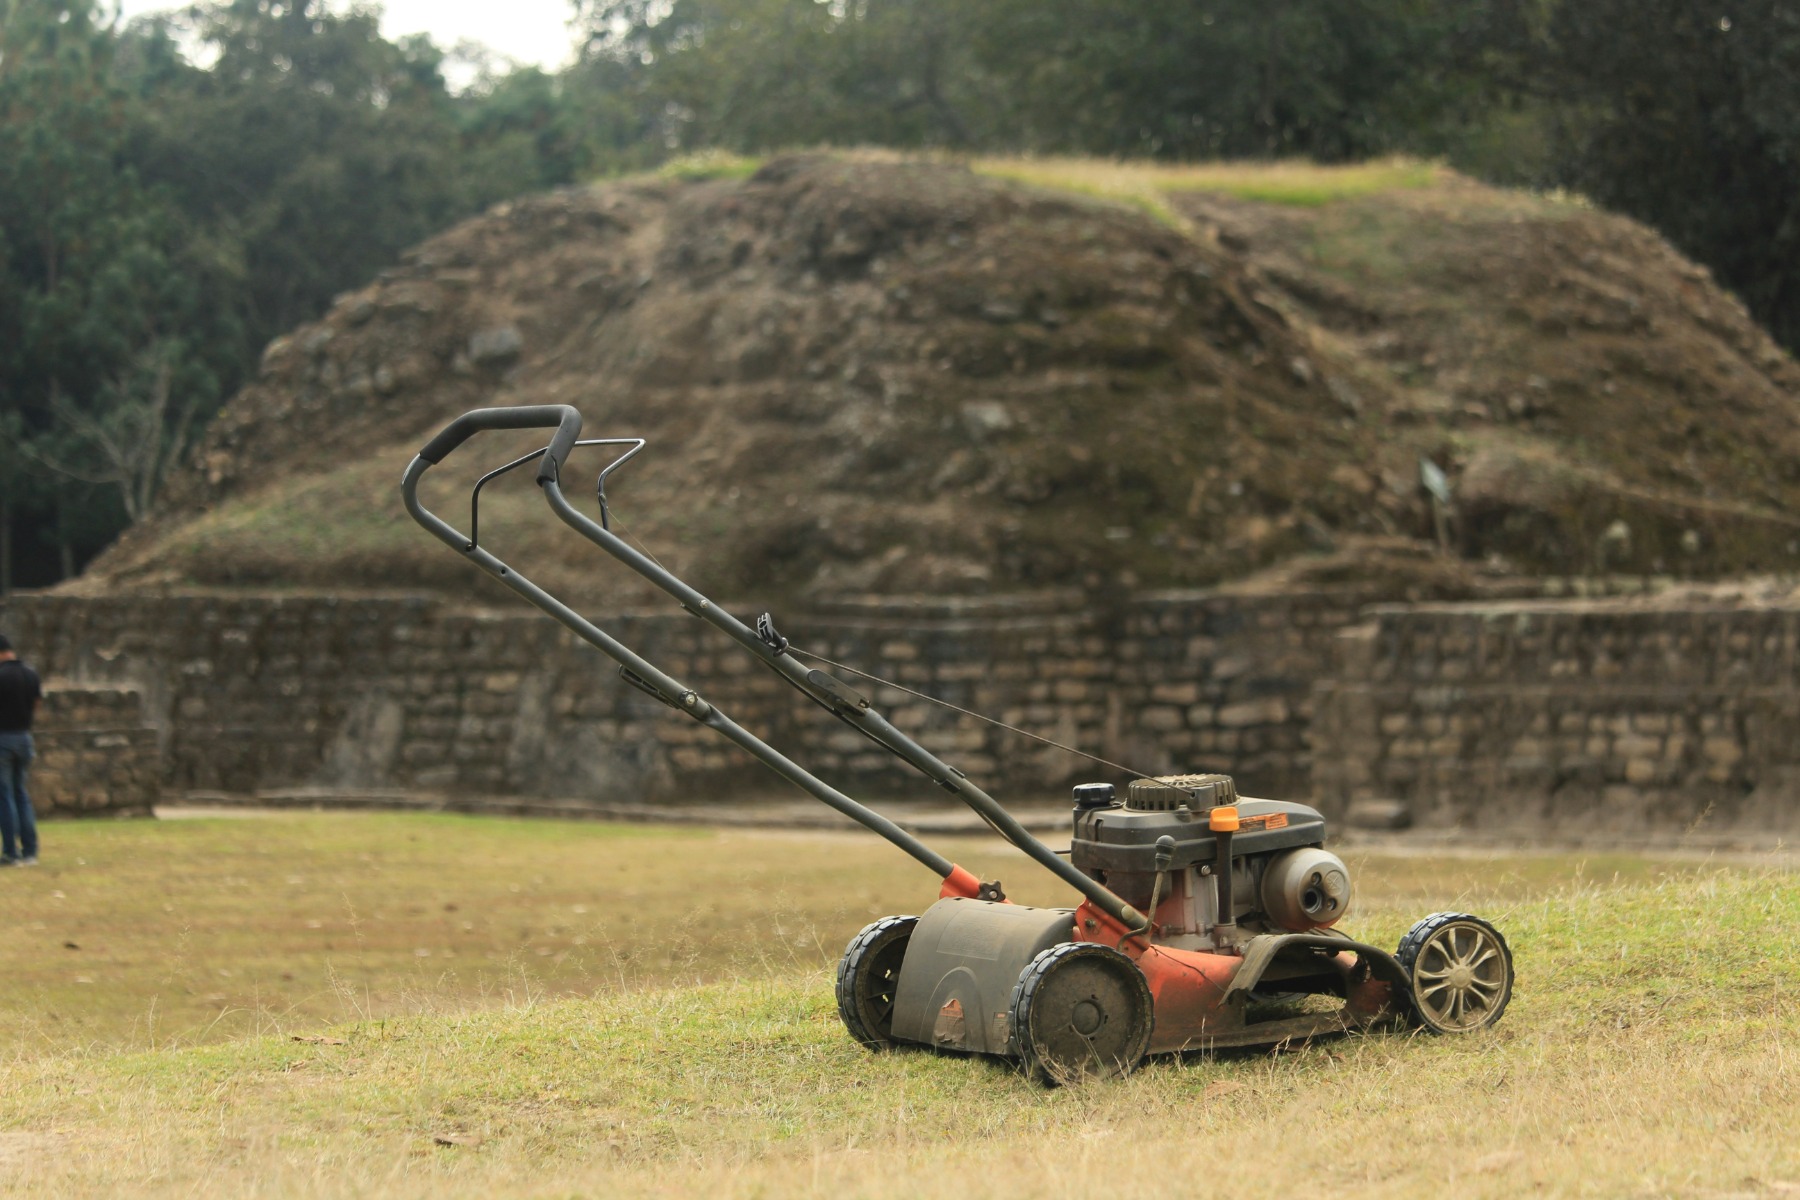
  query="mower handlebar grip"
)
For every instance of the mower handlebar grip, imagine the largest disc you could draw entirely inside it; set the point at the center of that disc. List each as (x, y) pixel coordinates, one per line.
(562, 417)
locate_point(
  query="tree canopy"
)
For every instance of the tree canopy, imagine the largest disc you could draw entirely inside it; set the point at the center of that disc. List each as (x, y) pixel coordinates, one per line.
(161, 221)
(1326, 78)
(1688, 117)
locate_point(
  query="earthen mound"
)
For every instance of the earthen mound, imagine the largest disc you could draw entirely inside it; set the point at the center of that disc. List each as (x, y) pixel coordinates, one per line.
(906, 377)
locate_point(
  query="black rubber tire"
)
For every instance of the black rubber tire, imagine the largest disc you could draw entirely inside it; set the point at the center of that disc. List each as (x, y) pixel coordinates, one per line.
(868, 978)
(1057, 986)
(1497, 979)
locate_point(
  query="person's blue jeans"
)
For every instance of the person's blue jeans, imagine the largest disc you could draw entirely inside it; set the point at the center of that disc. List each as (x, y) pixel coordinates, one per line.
(18, 825)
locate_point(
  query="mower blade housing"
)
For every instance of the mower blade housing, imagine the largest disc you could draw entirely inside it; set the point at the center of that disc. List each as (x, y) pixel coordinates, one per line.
(961, 965)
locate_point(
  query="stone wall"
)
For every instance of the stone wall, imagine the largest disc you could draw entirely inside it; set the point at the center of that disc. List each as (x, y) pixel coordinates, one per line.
(1568, 719)
(1560, 717)
(262, 693)
(96, 755)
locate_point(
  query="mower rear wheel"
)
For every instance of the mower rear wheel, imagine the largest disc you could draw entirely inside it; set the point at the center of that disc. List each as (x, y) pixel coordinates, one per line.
(1461, 972)
(1080, 1011)
(868, 980)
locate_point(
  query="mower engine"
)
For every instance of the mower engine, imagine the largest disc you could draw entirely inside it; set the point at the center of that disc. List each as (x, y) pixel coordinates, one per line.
(1206, 889)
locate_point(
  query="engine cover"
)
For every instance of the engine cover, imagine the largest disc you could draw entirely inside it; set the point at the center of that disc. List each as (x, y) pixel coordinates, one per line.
(1123, 839)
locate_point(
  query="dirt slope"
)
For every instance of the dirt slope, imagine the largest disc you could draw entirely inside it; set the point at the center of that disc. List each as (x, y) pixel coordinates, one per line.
(906, 376)
(1598, 401)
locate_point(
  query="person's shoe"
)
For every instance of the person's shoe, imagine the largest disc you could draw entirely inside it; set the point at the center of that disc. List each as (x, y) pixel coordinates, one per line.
(30, 860)
(9, 862)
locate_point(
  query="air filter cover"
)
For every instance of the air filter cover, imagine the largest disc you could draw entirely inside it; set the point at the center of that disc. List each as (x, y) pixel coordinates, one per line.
(1166, 793)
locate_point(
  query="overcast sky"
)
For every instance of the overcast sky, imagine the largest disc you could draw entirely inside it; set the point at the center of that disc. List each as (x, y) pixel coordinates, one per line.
(530, 31)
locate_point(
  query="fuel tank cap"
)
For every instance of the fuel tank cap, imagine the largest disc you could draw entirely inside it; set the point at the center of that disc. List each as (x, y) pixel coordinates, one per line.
(1093, 795)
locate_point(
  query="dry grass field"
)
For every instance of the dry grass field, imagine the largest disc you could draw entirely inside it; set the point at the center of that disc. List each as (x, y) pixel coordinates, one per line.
(403, 1005)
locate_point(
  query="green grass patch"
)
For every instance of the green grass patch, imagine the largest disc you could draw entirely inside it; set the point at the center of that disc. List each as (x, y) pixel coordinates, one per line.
(345, 527)
(305, 517)
(1146, 185)
(711, 164)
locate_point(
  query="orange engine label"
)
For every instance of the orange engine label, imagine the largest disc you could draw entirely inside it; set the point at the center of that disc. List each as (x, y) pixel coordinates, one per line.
(1270, 821)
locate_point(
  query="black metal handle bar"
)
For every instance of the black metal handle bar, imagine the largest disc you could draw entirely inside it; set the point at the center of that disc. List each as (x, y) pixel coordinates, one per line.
(849, 707)
(640, 671)
(561, 417)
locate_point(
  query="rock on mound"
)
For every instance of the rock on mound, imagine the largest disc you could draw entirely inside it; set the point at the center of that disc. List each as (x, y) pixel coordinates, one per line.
(902, 376)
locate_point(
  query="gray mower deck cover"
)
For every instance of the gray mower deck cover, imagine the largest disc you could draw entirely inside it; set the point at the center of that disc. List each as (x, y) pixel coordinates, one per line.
(961, 964)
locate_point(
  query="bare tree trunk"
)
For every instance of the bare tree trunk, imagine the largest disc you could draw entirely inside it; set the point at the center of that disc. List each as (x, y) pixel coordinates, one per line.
(5, 548)
(65, 552)
(1265, 107)
(931, 82)
(135, 449)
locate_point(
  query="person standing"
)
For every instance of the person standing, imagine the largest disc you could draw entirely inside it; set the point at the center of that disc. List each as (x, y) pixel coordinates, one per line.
(20, 691)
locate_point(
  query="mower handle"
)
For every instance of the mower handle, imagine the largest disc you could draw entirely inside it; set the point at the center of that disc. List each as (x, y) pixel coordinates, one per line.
(562, 417)
(568, 431)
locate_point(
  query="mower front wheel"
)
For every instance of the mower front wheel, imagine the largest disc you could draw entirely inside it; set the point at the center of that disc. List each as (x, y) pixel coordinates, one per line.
(1460, 970)
(868, 980)
(1080, 1011)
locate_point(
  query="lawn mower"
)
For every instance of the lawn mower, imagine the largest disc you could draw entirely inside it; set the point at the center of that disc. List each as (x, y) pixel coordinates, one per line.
(1207, 919)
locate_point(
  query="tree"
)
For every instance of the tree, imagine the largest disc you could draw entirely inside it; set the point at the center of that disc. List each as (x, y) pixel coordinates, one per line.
(96, 301)
(724, 73)
(1328, 78)
(133, 437)
(1688, 117)
(161, 221)
(306, 157)
(518, 129)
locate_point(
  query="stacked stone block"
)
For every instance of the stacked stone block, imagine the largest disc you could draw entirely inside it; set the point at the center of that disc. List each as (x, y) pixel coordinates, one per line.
(1574, 716)
(95, 753)
(1565, 719)
(277, 692)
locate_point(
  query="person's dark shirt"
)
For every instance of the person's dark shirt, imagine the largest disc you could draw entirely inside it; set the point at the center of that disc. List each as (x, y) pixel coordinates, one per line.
(19, 694)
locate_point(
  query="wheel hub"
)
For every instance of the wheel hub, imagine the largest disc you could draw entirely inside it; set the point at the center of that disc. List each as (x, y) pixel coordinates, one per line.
(1086, 1017)
(1081, 1011)
(1461, 975)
